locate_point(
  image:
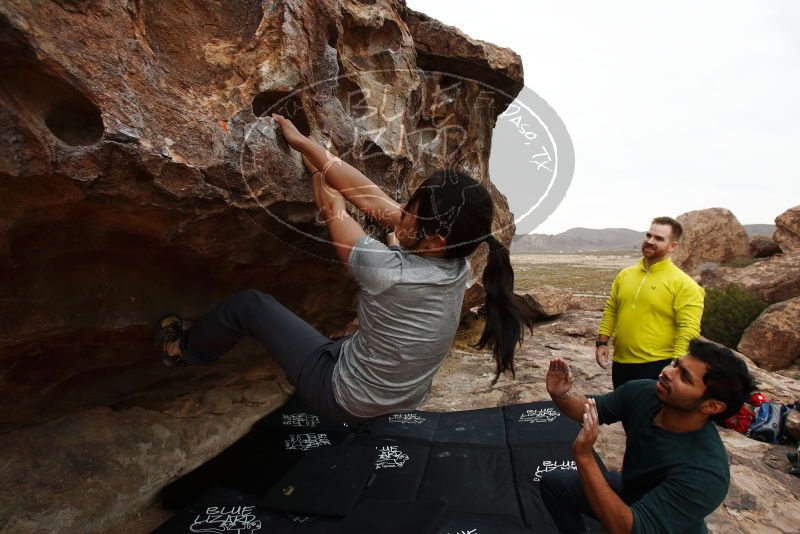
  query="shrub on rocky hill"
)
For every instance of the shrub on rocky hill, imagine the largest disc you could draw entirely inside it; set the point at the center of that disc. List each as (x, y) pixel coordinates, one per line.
(728, 313)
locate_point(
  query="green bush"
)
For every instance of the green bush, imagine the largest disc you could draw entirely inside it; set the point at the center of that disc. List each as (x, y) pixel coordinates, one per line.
(728, 313)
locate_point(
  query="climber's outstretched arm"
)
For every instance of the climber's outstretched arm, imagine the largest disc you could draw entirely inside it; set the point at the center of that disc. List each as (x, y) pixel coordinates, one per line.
(356, 188)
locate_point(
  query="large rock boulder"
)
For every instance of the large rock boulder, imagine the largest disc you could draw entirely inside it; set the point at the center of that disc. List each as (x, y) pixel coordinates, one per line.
(93, 469)
(774, 279)
(793, 425)
(710, 235)
(140, 173)
(544, 302)
(787, 230)
(762, 246)
(773, 340)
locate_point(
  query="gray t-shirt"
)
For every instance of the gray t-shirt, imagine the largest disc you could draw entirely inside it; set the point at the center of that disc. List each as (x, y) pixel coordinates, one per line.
(408, 313)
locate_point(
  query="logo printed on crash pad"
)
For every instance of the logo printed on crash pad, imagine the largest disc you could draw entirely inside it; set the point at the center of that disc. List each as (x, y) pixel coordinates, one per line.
(304, 442)
(300, 419)
(551, 465)
(391, 456)
(411, 418)
(238, 519)
(544, 415)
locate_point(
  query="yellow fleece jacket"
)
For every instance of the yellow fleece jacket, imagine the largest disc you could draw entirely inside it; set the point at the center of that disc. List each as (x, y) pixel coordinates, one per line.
(652, 315)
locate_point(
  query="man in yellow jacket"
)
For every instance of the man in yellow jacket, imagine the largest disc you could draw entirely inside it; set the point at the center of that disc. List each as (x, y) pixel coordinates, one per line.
(654, 310)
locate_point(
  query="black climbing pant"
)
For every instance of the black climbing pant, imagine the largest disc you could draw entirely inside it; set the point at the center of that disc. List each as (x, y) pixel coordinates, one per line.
(307, 357)
(563, 497)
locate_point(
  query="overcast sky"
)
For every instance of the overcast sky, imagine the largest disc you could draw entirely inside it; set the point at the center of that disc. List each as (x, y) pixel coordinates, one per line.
(671, 106)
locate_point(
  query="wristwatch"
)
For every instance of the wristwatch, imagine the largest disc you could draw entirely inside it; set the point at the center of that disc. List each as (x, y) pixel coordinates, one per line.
(601, 343)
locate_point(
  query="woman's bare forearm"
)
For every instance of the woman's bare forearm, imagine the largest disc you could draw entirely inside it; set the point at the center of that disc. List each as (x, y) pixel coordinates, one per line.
(357, 188)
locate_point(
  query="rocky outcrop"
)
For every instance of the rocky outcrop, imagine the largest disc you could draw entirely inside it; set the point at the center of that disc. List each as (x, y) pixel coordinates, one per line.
(762, 246)
(474, 296)
(793, 425)
(772, 340)
(441, 47)
(787, 230)
(544, 302)
(141, 172)
(763, 496)
(773, 280)
(710, 235)
(90, 470)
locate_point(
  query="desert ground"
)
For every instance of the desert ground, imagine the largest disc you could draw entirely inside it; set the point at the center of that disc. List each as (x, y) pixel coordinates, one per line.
(587, 274)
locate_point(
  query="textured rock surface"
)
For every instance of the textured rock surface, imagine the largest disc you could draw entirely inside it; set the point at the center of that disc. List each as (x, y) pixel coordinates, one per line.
(793, 425)
(710, 235)
(474, 296)
(762, 246)
(763, 497)
(545, 302)
(92, 469)
(773, 340)
(774, 279)
(140, 172)
(787, 230)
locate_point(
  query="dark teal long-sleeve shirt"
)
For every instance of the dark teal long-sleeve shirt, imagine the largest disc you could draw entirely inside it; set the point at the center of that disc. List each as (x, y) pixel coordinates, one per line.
(671, 481)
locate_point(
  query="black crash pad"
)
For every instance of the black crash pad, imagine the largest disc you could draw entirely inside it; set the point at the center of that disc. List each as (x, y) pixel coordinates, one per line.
(469, 471)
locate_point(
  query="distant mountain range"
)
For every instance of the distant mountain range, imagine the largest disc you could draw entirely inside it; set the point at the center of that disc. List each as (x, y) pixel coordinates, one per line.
(759, 229)
(585, 239)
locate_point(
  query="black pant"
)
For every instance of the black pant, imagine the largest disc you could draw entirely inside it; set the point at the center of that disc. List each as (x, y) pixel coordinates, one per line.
(307, 357)
(564, 498)
(623, 372)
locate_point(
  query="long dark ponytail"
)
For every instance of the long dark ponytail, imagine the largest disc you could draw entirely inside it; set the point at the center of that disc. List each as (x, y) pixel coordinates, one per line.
(504, 320)
(460, 209)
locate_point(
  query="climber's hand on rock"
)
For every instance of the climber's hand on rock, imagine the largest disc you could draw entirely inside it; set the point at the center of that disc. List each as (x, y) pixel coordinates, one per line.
(292, 135)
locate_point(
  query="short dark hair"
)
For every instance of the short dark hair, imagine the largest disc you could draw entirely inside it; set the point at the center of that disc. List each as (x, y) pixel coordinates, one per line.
(677, 229)
(727, 378)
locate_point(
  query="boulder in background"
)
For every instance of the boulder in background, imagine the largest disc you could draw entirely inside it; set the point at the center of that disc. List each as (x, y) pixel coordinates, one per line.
(774, 279)
(710, 235)
(787, 230)
(762, 246)
(773, 340)
(545, 302)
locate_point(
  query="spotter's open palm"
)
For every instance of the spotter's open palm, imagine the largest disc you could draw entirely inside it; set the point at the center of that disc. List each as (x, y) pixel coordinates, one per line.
(559, 378)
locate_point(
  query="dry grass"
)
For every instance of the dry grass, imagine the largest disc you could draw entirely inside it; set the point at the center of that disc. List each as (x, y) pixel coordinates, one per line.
(583, 274)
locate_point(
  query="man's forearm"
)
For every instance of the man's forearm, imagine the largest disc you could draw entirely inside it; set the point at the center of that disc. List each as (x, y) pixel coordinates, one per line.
(612, 511)
(570, 405)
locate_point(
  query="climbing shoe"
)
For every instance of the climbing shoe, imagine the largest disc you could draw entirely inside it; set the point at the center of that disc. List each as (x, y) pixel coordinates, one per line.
(168, 330)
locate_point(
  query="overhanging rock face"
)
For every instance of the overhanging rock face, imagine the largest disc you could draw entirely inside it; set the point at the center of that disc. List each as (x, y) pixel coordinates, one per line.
(140, 172)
